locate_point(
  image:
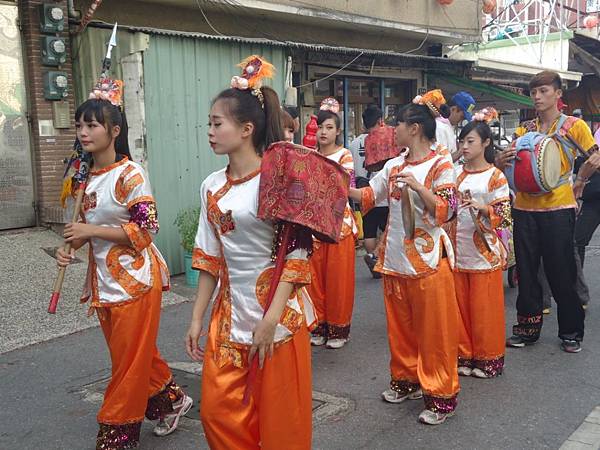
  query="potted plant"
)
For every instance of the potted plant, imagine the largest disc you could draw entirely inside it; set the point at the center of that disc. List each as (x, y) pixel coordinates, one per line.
(187, 224)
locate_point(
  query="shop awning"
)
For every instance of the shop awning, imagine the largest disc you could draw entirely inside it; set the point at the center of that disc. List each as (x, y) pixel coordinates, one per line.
(484, 93)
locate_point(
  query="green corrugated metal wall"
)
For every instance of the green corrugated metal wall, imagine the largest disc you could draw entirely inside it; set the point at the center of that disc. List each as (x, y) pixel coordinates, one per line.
(181, 76)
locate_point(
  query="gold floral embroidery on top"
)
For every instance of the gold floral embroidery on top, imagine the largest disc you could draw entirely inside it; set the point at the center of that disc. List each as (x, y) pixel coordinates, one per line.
(367, 200)
(296, 271)
(89, 201)
(222, 221)
(426, 243)
(290, 318)
(206, 262)
(125, 183)
(497, 180)
(491, 257)
(121, 275)
(139, 237)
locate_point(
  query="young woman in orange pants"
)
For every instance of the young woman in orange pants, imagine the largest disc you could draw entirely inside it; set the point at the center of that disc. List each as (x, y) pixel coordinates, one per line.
(126, 277)
(234, 248)
(484, 210)
(416, 261)
(332, 265)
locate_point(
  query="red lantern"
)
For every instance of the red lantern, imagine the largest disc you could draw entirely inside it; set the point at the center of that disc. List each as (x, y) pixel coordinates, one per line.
(445, 2)
(489, 6)
(590, 22)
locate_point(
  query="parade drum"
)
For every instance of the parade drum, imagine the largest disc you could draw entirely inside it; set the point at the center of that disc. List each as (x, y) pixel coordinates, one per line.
(408, 213)
(380, 146)
(536, 168)
(300, 186)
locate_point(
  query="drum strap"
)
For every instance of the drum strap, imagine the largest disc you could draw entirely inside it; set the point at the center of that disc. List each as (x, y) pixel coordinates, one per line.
(566, 143)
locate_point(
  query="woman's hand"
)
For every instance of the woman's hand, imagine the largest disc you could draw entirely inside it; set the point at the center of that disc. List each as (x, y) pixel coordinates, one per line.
(470, 203)
(63, 258)
(78, 232)
(408, 179)
(263, 341)
(192, 341)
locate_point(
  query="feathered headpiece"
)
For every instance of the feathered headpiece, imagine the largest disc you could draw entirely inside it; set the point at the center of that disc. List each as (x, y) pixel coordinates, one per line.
(432, 99)
(487, 115)
(330, 104)
(254, 70)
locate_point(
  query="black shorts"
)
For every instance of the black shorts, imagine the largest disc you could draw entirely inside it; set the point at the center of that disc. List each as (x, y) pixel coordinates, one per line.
(374, 220)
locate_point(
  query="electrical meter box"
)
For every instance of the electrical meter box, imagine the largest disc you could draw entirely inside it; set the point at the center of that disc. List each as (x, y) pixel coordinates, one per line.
(52, 18)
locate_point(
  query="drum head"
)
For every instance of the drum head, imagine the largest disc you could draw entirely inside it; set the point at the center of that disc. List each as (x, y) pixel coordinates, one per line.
(550, 163)
(408, 213)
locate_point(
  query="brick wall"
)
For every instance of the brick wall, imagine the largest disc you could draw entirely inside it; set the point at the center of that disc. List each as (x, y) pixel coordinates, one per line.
(48, 152)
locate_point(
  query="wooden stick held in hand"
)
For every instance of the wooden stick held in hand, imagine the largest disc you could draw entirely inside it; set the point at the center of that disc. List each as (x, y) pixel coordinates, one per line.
(60, 278)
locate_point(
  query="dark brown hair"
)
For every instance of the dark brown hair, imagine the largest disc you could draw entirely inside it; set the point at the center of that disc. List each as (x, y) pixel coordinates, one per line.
(420, 114)
(485, 132)
(546, 78)
(107, 115)
(287, 121)
(323, 115)
(243, 106)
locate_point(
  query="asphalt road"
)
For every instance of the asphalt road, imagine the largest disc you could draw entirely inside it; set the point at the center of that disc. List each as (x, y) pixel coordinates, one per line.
(50, 397)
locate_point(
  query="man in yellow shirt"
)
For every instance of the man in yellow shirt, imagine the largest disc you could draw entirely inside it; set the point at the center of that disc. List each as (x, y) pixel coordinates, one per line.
(544, 225)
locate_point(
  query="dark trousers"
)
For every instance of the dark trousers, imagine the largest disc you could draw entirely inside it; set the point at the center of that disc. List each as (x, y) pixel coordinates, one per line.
(547, 235)
(588, 220)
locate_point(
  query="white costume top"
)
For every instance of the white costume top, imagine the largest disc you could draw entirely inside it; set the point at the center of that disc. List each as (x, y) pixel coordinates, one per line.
(120, 195)
(445, 134)
(234, 246)
(488, 187)
(420, 256)
(344, 158)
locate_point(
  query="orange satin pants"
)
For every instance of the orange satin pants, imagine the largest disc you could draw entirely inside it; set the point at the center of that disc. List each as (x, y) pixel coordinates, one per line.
(482, 328)
(138, 371)
(332, 285)
(279, 414)
(422, 317)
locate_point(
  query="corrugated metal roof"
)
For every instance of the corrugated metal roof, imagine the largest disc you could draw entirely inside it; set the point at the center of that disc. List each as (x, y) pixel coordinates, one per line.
(295, 45)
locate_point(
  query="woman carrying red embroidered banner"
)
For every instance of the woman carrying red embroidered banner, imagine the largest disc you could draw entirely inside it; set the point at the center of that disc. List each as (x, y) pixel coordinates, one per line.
(332, 265)
(234, 249)
(484, 194)
(126, 276)
(416, 260)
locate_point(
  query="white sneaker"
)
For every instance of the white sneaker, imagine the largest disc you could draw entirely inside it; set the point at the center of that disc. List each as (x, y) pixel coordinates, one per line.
(478, 373)
(433, 418)
(391, 396)
(336, 343)
(465, 371)
(317, 340)
(168, 424)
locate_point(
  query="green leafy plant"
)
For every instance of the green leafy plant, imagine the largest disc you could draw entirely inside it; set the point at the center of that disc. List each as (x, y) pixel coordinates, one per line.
(187, 224)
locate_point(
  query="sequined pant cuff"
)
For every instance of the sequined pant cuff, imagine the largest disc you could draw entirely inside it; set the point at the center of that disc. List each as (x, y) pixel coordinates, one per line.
(338, 332)
(404, 387)
(528, 327)
(465, 362)
(161, 404)
(320, 330)
(439, 404)
(118, 437)
(491, 367)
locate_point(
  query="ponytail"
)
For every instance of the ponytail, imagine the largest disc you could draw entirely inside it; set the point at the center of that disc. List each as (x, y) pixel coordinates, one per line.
(273, 117)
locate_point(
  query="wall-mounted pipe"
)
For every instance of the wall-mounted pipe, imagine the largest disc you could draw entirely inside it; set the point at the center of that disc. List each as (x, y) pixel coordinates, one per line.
(73, 13)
